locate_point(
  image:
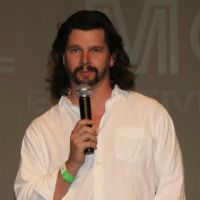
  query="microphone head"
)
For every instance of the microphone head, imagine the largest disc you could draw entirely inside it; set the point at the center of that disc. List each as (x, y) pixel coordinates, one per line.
(83, 90)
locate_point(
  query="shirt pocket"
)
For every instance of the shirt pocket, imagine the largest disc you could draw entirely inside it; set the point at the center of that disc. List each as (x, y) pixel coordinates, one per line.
(130, 144)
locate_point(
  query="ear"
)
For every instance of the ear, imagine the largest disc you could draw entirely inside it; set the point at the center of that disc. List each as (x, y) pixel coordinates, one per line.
(63, 60)
(112, 60)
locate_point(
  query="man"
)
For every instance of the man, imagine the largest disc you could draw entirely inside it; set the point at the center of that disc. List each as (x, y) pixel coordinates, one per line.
(136, 154)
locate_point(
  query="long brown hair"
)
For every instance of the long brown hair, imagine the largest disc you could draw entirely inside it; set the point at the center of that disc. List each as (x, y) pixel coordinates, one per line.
(121, 73)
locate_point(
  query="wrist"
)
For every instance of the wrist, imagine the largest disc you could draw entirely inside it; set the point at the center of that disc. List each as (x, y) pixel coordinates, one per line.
(67, 177)
(72, 167)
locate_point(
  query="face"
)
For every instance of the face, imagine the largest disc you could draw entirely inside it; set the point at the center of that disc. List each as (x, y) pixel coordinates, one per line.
(87, 57)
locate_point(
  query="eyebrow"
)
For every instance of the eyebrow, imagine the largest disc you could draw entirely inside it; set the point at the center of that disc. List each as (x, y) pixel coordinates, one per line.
(72, 46)
(78, 46)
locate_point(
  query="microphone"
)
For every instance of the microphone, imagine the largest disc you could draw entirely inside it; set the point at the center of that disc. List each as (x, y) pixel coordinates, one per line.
(83, 91)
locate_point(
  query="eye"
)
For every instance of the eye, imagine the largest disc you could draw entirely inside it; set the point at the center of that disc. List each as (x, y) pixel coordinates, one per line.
(75, 50)
(96, 49)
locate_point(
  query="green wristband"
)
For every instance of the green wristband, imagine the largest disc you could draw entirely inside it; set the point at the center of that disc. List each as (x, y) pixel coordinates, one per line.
(67, 177)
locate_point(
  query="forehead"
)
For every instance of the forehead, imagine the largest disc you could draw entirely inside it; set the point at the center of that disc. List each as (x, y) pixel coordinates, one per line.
(94, 36)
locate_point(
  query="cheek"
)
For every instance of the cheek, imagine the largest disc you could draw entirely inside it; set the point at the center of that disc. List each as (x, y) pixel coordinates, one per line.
(100, 61)
(72, 62)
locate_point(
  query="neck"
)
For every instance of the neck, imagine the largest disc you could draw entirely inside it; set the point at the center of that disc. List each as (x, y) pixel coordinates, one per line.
(99, 97)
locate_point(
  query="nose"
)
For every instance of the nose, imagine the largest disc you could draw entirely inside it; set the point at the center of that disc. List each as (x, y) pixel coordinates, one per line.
(85, 60)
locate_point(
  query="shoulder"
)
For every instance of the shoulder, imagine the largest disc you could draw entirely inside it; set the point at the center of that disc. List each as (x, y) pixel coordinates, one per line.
(143, 106)
(44, 123)
(151, 109)
(48, 116)
(151, 113)
(53, 121)
(142, 101)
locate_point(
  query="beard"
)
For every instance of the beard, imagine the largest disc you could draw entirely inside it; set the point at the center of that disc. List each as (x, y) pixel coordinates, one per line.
(91, 82)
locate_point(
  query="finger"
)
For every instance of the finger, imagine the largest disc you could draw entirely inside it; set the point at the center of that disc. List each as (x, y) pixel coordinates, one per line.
(86, 129)
(78, 139)
(83, 130)
(82, 123)
(89, 144)
(85, 122)
(88, 137)
(80, 144)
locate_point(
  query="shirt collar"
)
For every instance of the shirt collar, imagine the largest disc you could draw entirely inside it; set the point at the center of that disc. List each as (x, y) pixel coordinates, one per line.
(115, 92)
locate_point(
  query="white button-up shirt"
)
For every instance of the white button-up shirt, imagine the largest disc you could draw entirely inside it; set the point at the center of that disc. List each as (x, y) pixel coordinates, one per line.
(137, 157)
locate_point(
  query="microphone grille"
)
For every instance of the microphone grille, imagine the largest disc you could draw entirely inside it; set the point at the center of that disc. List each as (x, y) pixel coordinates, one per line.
(83, 90)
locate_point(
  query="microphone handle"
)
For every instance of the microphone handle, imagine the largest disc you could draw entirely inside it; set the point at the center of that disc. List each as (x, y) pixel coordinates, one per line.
(85, 112)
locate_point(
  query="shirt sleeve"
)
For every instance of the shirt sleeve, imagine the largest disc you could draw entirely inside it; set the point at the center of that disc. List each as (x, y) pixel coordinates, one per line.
(168, 160)
(33, 180)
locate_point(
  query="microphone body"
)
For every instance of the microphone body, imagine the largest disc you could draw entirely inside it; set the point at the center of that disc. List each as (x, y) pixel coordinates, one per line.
(84, 93)
(85, 107)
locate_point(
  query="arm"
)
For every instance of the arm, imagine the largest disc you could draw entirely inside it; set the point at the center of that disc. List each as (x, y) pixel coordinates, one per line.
(81, 138)
(34, 181)
(168, 160)
(62, 186)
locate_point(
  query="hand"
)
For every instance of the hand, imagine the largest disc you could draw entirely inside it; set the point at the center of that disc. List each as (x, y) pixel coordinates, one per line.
(82, 137)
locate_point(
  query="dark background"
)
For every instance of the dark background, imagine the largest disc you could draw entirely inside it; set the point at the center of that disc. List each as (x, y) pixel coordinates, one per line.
(162, 37)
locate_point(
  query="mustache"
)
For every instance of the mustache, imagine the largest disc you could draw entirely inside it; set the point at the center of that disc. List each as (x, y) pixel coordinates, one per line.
(88, 67)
